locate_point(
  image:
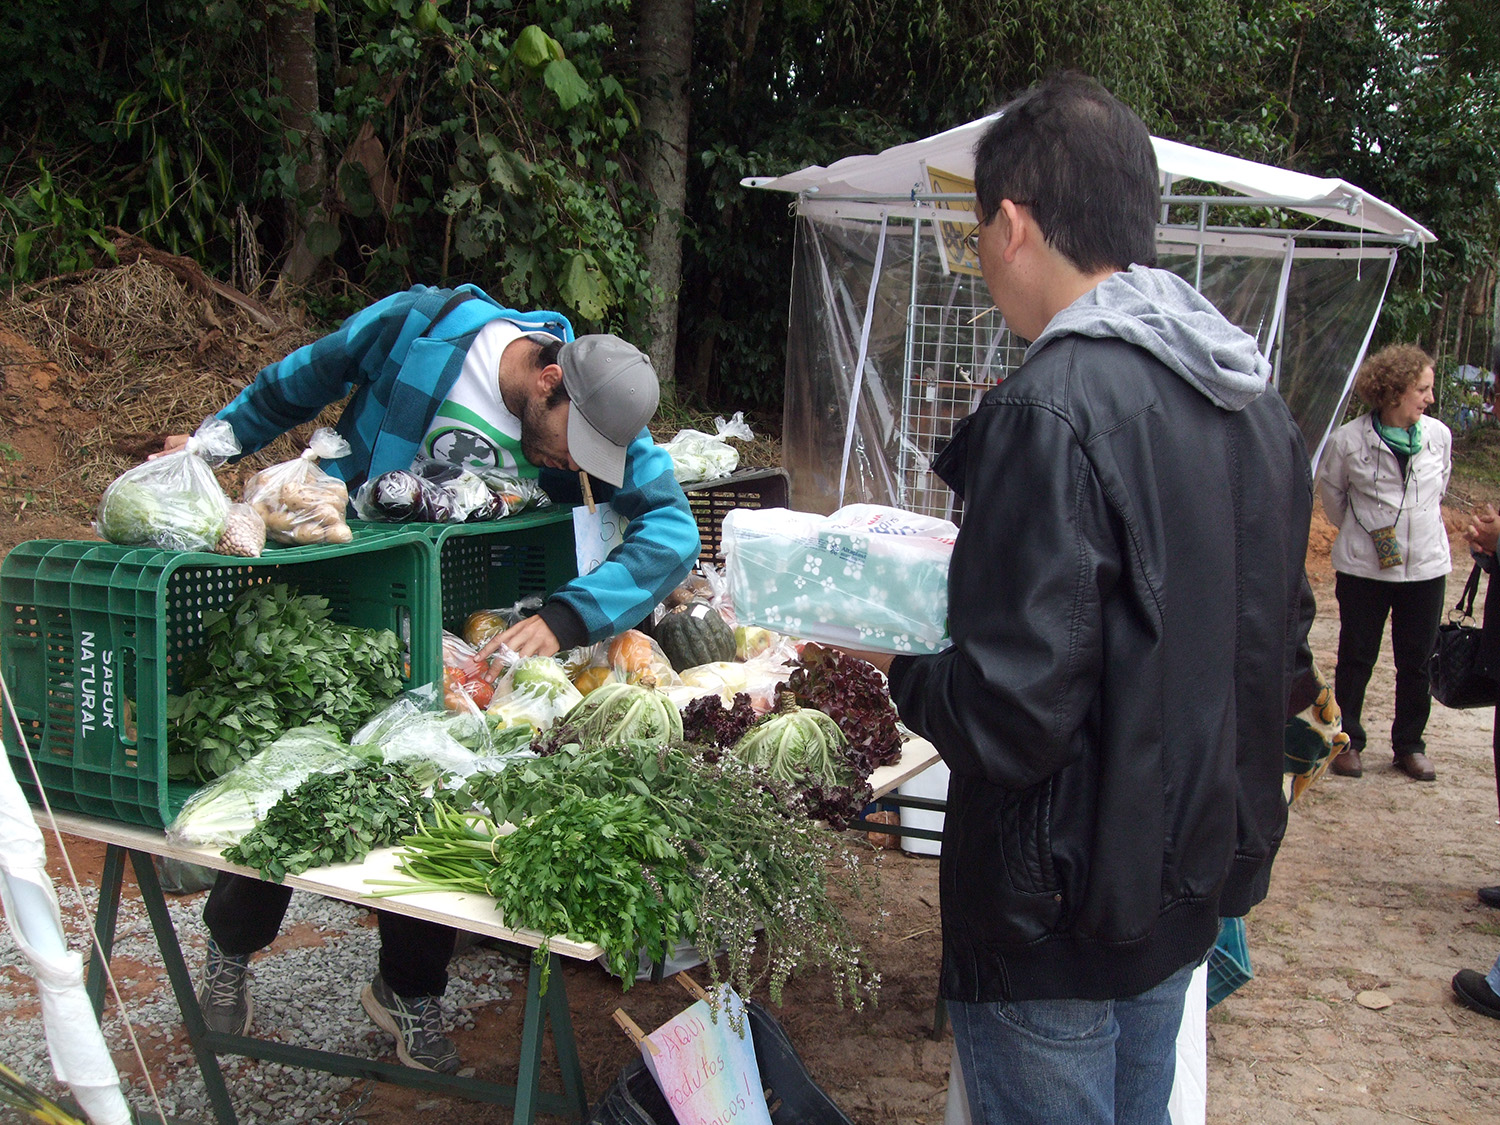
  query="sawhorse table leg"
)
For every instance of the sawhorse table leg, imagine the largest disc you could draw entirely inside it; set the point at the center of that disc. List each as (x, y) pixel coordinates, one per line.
(526, 1096)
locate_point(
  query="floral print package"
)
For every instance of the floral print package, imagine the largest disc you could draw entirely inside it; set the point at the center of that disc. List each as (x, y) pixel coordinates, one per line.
(867, 576)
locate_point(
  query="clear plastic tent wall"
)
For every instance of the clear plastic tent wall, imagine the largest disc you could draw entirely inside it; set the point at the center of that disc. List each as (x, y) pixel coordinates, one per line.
(931, 344)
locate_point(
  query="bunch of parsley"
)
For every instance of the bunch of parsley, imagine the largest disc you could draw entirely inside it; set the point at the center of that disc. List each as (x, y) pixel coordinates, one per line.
(636, 846)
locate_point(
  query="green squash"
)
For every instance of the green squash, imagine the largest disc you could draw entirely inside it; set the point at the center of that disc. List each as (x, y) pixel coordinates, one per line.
(694, 635)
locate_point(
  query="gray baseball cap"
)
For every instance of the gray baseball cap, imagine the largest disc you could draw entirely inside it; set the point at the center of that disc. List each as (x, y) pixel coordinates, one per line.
(614, 393)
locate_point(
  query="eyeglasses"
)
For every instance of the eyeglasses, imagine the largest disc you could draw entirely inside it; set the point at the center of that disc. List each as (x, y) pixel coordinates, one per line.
(971, 240)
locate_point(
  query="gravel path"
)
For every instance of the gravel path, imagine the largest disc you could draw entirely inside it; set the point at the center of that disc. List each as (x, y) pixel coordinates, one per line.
(305, 991)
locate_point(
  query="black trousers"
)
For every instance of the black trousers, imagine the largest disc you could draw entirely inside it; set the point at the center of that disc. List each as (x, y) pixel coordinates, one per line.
(1415, 609)
(244, 915)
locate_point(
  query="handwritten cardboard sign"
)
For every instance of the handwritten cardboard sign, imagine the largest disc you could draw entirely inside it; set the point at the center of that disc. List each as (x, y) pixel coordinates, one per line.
(705, 1068)
(596, 534)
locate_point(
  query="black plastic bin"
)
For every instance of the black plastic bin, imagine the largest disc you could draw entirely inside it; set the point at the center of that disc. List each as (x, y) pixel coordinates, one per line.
(712, 499)
(794, 1098)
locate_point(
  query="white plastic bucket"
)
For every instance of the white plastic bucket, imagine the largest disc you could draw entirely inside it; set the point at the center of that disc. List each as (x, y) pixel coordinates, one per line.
(931, 783)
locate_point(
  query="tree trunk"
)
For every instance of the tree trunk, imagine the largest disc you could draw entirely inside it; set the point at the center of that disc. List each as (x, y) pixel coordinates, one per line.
(294, 60)
(666, 38)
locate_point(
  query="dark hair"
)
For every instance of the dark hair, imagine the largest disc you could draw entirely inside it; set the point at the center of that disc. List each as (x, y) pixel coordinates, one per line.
(1388, 374)
(1083, 162)
(545, 356)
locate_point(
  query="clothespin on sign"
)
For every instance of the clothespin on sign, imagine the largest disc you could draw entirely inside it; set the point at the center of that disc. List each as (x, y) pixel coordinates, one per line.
(693, 987)
(588, 492)
(630, 1028)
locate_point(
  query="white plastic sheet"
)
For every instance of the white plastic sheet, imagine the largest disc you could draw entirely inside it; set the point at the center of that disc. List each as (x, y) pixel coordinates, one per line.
(79, 1056)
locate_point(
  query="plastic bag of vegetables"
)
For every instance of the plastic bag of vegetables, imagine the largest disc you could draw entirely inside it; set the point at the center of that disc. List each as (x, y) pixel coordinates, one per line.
(534, 690)
(418, 725)
(700, 456)
(400, 496)
(429, 492)
(174, 501)
(514, 494)
(483, 624)
(229, 806)
(300, 502)
(467, 680)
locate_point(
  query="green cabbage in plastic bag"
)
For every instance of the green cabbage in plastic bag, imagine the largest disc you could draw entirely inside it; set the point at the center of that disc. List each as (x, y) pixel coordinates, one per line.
(173, 502)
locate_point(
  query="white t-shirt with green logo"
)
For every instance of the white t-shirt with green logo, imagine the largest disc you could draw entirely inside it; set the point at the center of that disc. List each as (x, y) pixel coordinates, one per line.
(473, 428)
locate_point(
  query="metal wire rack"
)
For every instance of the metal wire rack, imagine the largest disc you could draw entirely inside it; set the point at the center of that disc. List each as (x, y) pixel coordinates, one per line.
(954, 354)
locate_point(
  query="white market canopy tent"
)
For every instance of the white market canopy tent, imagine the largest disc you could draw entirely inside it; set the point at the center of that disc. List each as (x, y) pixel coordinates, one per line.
(883, 358)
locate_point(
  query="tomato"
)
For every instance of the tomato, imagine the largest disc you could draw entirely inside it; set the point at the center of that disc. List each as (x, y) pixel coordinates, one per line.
(473, 684)
(480, 692)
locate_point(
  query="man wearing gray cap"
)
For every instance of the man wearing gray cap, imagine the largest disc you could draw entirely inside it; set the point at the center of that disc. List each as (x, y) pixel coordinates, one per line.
(454, 376)
(451, 375)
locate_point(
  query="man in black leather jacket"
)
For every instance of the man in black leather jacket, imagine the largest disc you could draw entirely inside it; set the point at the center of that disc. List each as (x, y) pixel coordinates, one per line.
(1125, 605)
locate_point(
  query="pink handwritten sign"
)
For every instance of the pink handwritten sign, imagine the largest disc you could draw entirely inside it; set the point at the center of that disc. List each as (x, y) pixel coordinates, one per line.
(705, 1068)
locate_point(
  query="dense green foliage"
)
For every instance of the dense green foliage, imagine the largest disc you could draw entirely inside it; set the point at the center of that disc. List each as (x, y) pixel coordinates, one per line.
(338, 817)
(499, 141)
(274, 660)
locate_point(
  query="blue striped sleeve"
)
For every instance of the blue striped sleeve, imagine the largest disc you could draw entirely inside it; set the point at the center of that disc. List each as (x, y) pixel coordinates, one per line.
(294, 390)
(661, 545)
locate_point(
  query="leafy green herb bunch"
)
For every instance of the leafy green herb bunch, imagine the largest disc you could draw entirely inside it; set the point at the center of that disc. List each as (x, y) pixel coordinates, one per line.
(274, 660)
(639, 846)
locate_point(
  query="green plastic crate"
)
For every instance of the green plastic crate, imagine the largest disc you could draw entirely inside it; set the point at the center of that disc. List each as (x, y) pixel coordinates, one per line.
(494, 564)
(94, 636)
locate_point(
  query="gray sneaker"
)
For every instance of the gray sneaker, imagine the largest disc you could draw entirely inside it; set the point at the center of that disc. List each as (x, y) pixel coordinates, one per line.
(224, 997)
(416, 1023)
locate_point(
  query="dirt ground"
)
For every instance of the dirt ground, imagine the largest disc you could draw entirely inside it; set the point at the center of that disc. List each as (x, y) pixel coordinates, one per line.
(1374, 889)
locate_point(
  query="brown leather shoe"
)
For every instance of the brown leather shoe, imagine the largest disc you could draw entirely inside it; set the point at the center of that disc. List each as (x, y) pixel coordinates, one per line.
(1416, 766)
(1347, 763)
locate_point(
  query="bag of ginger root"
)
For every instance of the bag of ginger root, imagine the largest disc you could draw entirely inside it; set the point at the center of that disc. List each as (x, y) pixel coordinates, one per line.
(301, 503)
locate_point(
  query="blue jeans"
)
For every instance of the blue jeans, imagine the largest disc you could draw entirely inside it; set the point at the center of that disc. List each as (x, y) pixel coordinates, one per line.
(1071, 1062)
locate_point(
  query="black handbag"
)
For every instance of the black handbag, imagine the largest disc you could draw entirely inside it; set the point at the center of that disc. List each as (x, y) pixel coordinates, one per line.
(1455, 672)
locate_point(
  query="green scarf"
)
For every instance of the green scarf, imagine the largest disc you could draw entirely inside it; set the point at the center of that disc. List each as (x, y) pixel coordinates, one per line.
(1406, 441)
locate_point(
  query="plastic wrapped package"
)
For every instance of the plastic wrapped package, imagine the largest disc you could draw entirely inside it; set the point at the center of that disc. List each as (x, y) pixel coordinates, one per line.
(866, 577)
(633, 656)
(400, 496)
(757, 678)
(221, 812)
(244, 533)
(483, 624)
(698, 456)
(419, 725)
(471, 498)
(174, 501)
(437, 492)
(513, 493)
(465, 676)
(301, 503)
(535, 690)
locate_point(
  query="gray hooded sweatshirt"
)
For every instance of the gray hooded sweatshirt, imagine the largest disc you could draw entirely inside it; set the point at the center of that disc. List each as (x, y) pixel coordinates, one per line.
(1158, 311)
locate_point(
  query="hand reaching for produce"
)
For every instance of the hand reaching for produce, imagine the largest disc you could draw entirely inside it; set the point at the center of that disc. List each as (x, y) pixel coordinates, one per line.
(529, 637)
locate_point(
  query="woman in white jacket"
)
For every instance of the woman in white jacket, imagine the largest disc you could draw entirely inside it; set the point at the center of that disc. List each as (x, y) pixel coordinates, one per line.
(1382, 483)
